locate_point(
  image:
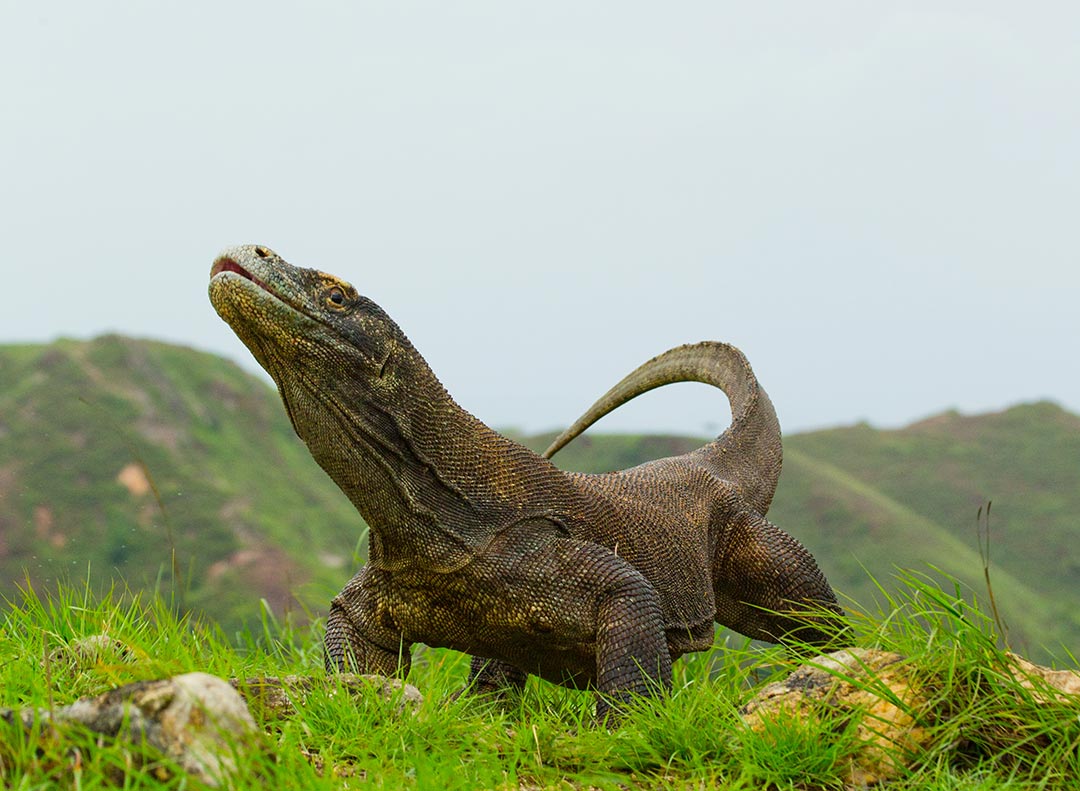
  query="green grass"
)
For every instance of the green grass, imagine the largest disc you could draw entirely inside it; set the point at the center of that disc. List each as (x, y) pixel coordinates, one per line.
(987, 732)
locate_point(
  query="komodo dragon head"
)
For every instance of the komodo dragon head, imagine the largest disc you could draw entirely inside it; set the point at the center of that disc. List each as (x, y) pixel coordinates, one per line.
(307, 328)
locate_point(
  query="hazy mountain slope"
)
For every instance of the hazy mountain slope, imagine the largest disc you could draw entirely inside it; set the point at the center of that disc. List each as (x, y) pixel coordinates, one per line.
(1025, 459)
(860, 532)
(89, 429)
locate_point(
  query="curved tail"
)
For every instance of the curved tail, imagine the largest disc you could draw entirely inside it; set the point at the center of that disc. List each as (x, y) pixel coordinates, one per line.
(748, 453)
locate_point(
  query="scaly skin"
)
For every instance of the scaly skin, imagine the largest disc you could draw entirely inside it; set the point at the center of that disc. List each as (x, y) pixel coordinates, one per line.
(480, 545)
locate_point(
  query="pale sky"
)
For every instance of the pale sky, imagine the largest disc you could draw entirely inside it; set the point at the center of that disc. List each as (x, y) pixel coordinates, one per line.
(878, 202)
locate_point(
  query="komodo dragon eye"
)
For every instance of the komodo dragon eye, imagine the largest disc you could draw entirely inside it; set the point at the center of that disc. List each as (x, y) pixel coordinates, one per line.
(336, 296)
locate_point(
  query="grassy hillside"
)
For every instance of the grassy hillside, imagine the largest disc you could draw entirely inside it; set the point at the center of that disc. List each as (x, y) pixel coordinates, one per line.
(1026, 459)
(117, 455)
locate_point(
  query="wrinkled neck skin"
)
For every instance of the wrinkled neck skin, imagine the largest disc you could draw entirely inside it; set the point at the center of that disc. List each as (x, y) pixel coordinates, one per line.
(398, 446)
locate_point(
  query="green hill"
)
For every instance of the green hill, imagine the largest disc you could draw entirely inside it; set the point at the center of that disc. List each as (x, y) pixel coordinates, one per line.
(116, 452)
(910, 497)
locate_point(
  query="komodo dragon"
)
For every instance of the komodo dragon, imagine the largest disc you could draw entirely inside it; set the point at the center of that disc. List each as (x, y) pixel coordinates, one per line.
(480, 545)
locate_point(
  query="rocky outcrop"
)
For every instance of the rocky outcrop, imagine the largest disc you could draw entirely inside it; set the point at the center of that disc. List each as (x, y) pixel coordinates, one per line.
(197, 720)
(887, 703)
(1043, 683)
(88, 651)
(872, 691)
(275, 697)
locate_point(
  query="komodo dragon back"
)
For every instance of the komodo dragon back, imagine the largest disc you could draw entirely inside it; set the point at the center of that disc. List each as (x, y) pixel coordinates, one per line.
(748, 453)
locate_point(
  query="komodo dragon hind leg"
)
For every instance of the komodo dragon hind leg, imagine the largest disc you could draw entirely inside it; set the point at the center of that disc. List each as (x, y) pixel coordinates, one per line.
(769, 587)
(490, 676)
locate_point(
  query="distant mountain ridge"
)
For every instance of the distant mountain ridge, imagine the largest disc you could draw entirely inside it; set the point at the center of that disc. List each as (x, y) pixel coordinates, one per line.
(115, 452)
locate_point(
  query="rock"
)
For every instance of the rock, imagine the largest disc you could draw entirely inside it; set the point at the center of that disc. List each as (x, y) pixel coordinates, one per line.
(275, 697)
(196, 719)
(88, 651)
(199, 721)
(1045, 684)
(876, 692)
(873, 687)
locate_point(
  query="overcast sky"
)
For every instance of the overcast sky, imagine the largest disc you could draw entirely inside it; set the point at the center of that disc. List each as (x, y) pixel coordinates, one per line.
(878, 202)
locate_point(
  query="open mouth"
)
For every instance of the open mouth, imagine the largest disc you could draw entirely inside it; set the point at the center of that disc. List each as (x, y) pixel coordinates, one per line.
(226, 264)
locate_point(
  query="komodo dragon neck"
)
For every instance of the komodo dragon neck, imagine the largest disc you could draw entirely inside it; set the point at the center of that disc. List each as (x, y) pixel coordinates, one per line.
(433, 483)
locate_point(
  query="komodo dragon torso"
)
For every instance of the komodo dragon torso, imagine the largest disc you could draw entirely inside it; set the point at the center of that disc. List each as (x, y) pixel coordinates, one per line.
(480, 545)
